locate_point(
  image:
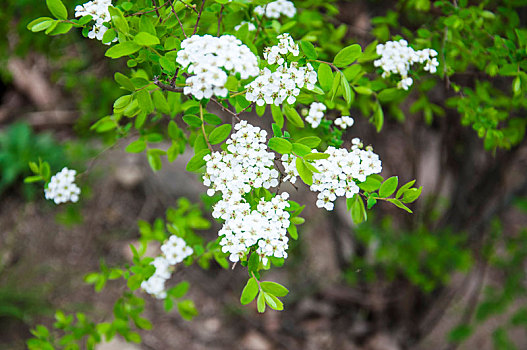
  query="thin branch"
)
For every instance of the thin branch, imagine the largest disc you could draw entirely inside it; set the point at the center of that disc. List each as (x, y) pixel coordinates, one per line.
(225, 109)
(193, 7)
(199, 17)
(179, 21)
(157, 10)
(203, 127)
(219, 19)
(167, 87)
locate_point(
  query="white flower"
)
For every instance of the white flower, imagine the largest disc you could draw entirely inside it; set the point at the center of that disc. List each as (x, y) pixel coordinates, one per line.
(397, 58)
(61, 188)
(276, 8)
(344, 122)
(98, 9)
(251, 26)
(211, 59)
(315, 114)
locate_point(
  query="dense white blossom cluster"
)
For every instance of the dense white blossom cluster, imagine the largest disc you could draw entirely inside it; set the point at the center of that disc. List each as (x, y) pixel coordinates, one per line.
(246, 165)
(98, 10)
(62, 188)
(315, 114)
(397, 58)
(285, 82)
(339, 174)
(210, 59)
(250, 26)
(344, 122)
(276, 8)
(175, 250)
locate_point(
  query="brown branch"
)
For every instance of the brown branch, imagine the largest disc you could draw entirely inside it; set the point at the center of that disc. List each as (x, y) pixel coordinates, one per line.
(193, 7)
(219, 19)
(199, 17)
(179, 21)
(167, 87)
(225, 109)
(156, 9)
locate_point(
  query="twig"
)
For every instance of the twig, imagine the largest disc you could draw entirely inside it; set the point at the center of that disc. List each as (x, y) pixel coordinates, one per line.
(167, 87)
(199, 17)
(193, 8)
(225, 109)
(149, 11)
(179, 21)
(219, 19)
(157, 10)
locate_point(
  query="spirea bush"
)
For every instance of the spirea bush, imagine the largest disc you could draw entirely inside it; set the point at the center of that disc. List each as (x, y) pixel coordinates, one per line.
(199, 71)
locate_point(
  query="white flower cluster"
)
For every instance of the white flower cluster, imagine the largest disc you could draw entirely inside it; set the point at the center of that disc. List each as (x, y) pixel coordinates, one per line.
(250, 26)
(246, 165)
(339, 174)
(61, 188)
(285, 82)
(98, 10)
(344, 122)
(276, 8)
(210, 59)
(175, 250)
(397, 57)
(315, 114)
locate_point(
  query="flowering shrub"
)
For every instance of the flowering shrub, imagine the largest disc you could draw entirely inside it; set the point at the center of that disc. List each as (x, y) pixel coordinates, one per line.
(196, 70)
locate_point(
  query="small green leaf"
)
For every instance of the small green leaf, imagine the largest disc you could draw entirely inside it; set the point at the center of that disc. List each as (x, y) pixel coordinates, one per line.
(388, 187)
(308, 49)
(358, 211)
(293, 232)
(371, 184)
(145, 101)
(325, 76)
(280, 145)
(196, 162)
(260, 302)
(146, 39)
(167, 64)
(403, 188)
(315, 156)
(109, 35)
(277, 132)
(249, 291)
(124, 81)
(160, 102)
(33, 178)
(274, 288)
(179, 290)
(293, 117)
(219, 134)
(187, 309)
(305, 174)
(301, 150)
(411, 195)
(57, 9)
(398, 204)
(346, 89)
(122, 49)
(310, 141)
(192, 120)
(347, 55)
(154, 159)
(137, 146)
(388, 95)
(278, 116)
(254, 263)
(273, 302)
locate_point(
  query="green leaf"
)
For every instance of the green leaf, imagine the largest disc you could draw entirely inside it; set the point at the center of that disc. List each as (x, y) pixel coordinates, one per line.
(388, 187)
(305, 174)
(179, 290)
(109, 35)
(308, 49)
(145, 101)
(137, 146)
(60, 28)
(411, 195)
(278, 116)
(167, 64)
(404, 188)
(143, 323)
(280, 145)
(146, 39)
(398, 204)
(187, 309)
(277, 132)
(122, 102)
(293, 117)
(260, 302)
(325, 76)
(249, 291)
(196, 162)
(124, 81)
(219, 134)
(160, 102)
(57, 9)
(33, 178)
(273, 302)
(40, 24)
(212, 119)
(154, 159)
(192, 120)
(122, 49)
(315, 156)
(460, 333)
(119, 20)
(301, 150)
(347, 55)
(358, 211)
(310, 141)
(293, 232)
(254, 263)
(274, 288)
(371, 184)
(346, 89)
